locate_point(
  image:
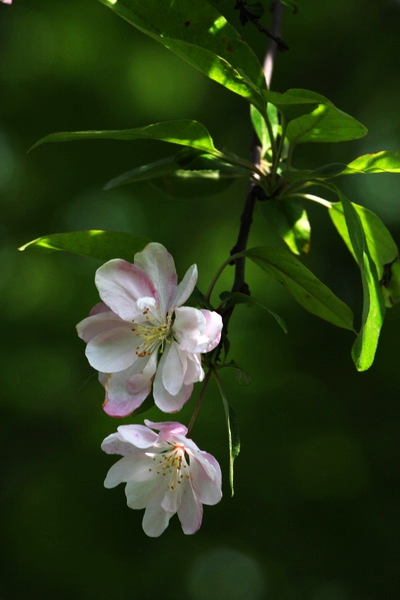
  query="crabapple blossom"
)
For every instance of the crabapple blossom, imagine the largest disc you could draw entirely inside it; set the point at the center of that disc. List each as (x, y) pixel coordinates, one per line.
(141, 337)
(6, 1)
(165, 473)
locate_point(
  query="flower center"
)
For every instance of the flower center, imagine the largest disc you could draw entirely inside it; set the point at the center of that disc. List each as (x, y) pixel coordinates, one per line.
(173, 464)
(153, 333)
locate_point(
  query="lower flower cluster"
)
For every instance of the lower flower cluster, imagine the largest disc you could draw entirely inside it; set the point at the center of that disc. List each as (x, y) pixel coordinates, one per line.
(141, 340)
(165, 473)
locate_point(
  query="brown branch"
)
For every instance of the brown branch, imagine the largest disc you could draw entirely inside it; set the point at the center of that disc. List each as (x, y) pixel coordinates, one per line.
(246, 219)
(247, 16)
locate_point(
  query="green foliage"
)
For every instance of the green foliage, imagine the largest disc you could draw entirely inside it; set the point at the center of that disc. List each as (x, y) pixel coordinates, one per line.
(233, 432)
(300, 282)
(265, 135)
(385, 161)
(234, 298)
(187, 174)
(186, 133)
(290, 220)
(201, 36)
(364, 347)
(325, 123)
(198, 33)
(381, 245)
(103, 245)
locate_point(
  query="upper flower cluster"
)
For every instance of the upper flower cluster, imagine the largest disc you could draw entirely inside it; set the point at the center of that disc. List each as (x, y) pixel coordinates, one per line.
(141, 336)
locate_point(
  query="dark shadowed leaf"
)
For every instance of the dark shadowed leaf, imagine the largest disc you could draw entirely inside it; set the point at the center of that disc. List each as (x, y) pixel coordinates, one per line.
(302, 284)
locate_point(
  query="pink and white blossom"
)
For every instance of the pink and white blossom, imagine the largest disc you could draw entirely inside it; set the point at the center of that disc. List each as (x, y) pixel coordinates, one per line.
(140, 337)
(165, 473)
(6, 1)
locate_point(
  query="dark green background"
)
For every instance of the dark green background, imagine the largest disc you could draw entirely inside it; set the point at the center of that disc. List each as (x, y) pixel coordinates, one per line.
(315, 514)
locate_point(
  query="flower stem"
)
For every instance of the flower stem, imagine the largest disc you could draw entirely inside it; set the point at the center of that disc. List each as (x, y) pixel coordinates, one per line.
(200, 399)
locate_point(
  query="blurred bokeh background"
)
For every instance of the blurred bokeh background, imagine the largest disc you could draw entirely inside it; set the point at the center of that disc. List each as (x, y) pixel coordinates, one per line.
(315, 514)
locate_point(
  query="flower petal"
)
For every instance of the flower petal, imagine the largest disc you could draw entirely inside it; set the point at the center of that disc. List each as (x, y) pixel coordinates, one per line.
(206, 478)
(197, 330)
(190, 512)
(132, 468)
(185, 288)
(95, 324)
(213, 328)
(159, 266)
(165, 401)
(120, 284)
(155, 520)
(128, 439)
(125, 403)
(194, 370)
(112, 350)
(145, 493)
(172, 367)
(168, 429)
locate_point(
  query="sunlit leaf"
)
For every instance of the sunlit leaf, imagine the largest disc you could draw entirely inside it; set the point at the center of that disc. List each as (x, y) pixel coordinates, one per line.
(183, 132)
(292, 103)
(103, 245)
(381, 245)
(302, 284)
(261, 128)
(200, 35)
(290, 220)
(325, 123)
(386, 161)
(364, 348)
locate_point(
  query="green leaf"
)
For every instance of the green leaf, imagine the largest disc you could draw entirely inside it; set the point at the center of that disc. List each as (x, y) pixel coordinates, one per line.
(325, 123)
(234, 298)
(201, 36)
(292, 103)
(103, 245)
(290, 219)
(144, 173)
(261, 128)
(302, 284)
(233, 431)
(291, 4)
(321, 173)
(385, 161)
(183, 132)
(192, 184)
(201, 174)
(381, 245)
(364, 348)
